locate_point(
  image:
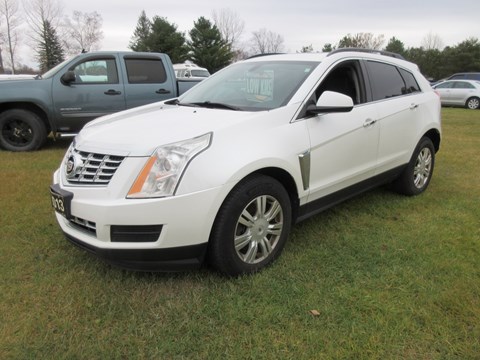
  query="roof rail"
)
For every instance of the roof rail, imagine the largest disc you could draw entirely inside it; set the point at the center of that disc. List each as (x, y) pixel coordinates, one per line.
(371, 51)
(260, 55)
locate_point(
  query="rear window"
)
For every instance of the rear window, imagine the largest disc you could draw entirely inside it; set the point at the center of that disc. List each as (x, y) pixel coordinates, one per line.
(389, 81)
(145, 71)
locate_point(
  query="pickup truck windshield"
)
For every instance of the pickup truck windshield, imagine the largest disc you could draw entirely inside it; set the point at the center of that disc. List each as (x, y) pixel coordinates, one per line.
(251, 86)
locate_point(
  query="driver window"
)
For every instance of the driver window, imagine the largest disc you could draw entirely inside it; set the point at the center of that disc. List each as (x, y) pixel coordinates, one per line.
(97, 71)
(344, 79)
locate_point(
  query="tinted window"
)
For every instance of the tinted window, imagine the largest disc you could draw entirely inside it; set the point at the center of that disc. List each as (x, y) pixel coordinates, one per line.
(445, 85)
(145, 71)
(97, 71)
(410, 82)
(463, 85)
(386, 80)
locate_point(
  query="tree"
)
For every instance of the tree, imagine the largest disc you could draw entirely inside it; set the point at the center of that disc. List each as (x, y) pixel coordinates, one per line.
(164, 37)
(231, 28)
(206, 46)
(50, 52)
(141, 34)
(396, 46)
(265, 41)
(432, 41)
(362, 40)
(307, 49)
(328, 47)
(43, 18)
(463, 57)
(9, 13)
(84, 32)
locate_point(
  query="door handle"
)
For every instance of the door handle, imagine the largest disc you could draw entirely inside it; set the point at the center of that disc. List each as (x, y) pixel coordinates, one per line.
(112, 92)
(369, 122)
(413, 106)
(163, 91)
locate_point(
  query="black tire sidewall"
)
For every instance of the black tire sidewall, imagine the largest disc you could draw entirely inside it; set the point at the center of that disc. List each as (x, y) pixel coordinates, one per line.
(39, 132)
(470, 99)
(405, 184)
(222, 254)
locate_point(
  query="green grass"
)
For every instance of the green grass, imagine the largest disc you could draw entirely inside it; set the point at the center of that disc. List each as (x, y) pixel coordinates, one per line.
(392, 277)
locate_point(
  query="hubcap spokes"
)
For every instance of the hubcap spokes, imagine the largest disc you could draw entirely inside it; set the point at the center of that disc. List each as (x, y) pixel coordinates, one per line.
(258, 229)
(423, 168)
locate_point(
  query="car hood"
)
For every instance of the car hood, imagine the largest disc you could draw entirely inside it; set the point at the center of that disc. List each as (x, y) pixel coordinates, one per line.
(139, 131)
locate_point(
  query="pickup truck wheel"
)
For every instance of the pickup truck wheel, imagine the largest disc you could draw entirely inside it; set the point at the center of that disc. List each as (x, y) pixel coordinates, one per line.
(21, 130)
(251, 227)
(416, 176)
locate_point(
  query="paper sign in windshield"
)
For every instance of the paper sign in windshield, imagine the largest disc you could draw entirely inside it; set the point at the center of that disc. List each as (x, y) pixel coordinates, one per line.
(259, 85)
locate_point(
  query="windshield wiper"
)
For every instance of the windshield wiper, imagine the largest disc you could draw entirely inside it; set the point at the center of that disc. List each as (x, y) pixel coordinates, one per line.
(215, 105)
(206, 104)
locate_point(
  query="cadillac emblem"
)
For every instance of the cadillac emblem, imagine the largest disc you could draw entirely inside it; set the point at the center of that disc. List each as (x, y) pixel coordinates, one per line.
(73, 163)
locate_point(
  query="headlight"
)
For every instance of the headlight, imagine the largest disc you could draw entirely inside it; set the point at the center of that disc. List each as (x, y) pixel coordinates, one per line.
(163, 171)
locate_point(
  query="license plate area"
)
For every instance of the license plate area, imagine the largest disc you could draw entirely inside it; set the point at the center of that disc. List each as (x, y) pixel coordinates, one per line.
(61, 201)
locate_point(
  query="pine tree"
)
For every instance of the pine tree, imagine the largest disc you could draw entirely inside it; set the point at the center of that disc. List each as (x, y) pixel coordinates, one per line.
(207, 48)
(50, 52)
(141, 34)
(165, 38)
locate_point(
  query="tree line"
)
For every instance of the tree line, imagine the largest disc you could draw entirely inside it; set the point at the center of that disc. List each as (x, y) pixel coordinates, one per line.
(211, 43)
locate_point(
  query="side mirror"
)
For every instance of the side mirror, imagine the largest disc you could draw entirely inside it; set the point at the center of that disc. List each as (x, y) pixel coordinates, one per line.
(331, 102)
(68, 77)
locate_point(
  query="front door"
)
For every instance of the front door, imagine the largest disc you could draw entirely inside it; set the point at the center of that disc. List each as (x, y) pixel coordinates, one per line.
(96, 91)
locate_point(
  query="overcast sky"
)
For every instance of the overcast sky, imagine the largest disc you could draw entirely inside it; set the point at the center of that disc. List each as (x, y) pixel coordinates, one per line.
(300, 22)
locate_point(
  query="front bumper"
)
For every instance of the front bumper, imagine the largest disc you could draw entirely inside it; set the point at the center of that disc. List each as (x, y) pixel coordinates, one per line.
(163, 234)
(171, 259)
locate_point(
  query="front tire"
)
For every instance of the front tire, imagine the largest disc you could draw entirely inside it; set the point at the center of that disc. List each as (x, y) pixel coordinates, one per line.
(251, 227)
(21, 130)
(473, 103)
(417, 175)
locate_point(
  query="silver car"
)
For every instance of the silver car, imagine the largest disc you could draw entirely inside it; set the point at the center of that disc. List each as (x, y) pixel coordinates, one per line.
(465, 93)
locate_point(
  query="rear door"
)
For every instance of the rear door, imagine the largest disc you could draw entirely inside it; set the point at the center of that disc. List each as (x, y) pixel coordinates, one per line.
(148, 80)
(97, 90)
(400, 106)
(461, 91)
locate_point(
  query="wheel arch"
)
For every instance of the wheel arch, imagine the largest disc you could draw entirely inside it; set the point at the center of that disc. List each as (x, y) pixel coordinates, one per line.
(434, 135)
(34, 108)
(286, 180)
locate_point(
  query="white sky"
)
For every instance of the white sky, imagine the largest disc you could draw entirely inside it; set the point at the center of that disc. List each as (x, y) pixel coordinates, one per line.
(300, 22)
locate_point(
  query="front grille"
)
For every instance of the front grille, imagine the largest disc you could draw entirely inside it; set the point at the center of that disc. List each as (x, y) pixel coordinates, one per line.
(89, 168)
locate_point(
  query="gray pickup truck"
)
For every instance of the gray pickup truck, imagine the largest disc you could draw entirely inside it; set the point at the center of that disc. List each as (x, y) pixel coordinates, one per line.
(90, 85)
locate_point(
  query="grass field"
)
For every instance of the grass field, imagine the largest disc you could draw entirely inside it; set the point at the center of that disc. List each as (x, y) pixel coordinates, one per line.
(390, 277)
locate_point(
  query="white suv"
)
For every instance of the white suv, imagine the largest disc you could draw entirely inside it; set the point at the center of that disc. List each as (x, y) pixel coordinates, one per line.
(221, 173)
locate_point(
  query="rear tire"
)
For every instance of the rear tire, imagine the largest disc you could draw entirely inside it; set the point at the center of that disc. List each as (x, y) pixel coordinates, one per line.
(21, 130)
(473, 103)
(251, 227)
(417, 175)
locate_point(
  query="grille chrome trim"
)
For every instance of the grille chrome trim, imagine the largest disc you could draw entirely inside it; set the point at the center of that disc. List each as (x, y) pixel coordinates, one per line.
(90, 168)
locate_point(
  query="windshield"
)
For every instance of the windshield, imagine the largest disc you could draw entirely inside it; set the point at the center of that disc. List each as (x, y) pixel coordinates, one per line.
(251, 86)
